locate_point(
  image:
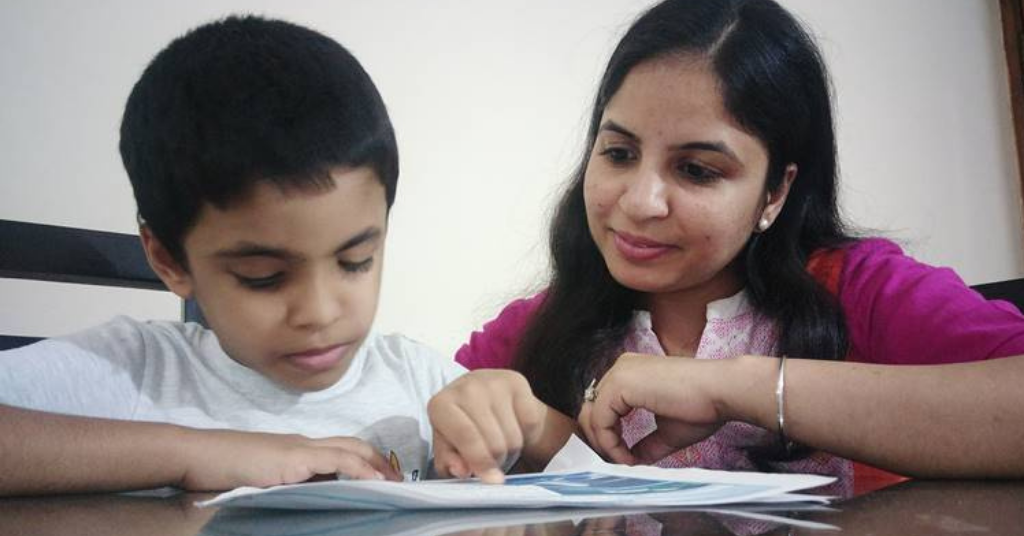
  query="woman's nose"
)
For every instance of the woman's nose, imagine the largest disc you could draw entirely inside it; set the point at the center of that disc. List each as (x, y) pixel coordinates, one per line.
(645, 196)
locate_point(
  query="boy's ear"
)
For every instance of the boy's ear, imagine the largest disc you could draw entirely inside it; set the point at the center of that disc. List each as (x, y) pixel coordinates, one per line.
(170, 271)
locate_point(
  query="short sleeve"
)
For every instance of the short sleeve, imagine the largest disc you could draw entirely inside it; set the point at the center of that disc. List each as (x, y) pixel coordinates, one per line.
(95, 373)
(901, 311)
(419, 367)
(495, 345)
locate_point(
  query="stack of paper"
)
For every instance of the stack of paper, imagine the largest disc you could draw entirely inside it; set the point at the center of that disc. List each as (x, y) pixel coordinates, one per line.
(576, 477)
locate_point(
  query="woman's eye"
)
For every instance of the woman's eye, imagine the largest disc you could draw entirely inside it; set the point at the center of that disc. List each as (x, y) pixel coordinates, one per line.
(260, 283)
(698, 173)
(618, 155)
(355, 267)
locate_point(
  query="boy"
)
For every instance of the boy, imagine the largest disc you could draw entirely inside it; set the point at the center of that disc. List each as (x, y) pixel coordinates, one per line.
(264, 165)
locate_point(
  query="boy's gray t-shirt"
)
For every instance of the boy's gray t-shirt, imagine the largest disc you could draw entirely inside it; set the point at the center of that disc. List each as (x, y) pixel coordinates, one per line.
(177, 373)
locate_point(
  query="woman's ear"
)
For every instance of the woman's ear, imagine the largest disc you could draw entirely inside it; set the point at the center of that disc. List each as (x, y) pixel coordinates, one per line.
(170, 271)
(775, 200)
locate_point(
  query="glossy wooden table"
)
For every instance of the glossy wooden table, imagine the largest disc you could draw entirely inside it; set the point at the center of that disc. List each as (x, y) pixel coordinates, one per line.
(910, 508)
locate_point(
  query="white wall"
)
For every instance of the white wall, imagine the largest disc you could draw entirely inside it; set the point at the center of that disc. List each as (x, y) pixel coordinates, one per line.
(489, 100)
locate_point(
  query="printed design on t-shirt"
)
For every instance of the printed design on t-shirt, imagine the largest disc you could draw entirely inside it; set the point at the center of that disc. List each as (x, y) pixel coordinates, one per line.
(396, 464)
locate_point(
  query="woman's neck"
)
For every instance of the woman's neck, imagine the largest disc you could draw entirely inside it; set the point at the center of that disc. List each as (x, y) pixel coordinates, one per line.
(678, 318)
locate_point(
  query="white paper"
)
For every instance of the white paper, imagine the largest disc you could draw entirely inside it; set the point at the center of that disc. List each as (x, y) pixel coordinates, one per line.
(576, 477)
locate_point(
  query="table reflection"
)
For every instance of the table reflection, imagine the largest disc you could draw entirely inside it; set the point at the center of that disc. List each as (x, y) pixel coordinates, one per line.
(233, 522)
(910, 508)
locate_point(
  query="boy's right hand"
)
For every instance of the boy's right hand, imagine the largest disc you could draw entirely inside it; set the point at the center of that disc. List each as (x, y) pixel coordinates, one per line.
(483, 420)
(226, 459)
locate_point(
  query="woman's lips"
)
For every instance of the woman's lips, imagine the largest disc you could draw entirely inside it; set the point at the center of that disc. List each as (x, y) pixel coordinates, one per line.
(318, 360)
(639, 249)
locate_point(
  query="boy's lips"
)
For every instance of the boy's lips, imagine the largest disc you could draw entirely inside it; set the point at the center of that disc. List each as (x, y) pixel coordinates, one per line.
(318, 359)
(637, 248)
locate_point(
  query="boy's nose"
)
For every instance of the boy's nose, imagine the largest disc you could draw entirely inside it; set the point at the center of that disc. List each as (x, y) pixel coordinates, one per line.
(645, 196)
(315, 307)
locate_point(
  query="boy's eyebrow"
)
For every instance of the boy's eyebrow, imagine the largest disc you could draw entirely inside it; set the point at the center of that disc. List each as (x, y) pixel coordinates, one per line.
(366, 235)
(715, 146)
(251, 249)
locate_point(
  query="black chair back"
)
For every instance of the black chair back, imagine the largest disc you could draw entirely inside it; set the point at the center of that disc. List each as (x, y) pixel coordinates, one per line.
(1011, 290)
(70, 255)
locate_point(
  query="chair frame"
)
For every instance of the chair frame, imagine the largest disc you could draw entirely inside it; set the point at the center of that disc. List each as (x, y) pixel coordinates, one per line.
(42, 252)
(69, 255)
(1011, 290)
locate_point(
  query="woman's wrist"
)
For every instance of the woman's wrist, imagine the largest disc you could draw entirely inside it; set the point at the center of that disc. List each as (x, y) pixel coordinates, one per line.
(747, 391)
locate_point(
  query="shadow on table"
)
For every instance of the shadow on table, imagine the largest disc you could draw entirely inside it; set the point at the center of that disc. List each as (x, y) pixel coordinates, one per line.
(749, 520)
(910, 508)
(931, 507)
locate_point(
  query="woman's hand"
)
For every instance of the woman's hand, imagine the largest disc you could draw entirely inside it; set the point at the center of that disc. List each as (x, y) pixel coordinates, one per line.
(483, 421)
(684, 394)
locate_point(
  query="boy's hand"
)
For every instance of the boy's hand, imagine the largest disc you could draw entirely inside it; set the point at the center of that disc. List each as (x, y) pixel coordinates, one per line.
(225, 459)
(482, 420)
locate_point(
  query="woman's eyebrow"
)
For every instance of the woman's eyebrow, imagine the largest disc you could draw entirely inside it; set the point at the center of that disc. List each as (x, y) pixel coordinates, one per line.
(714, 146)
(612, 126)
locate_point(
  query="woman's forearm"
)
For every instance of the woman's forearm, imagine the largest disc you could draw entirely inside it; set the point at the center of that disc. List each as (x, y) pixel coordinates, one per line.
(961, 420)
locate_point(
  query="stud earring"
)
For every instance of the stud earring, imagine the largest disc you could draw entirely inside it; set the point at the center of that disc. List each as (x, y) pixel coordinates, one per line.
(763, 225)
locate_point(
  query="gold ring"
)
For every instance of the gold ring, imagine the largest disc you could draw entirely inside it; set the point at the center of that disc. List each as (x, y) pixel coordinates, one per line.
(590, 393)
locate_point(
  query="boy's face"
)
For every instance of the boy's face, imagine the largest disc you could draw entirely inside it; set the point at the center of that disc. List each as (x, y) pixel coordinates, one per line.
(289, 279)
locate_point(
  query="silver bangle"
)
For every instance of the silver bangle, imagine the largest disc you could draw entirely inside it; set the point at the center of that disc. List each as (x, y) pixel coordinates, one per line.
(780, 398)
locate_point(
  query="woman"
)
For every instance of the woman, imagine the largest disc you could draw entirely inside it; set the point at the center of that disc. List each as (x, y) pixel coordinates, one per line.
(702, 222)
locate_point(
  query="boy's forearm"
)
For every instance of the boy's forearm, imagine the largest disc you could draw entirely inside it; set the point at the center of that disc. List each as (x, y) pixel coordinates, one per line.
(49, 453)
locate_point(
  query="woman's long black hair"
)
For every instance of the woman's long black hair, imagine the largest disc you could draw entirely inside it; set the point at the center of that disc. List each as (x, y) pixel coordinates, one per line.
(775, 84)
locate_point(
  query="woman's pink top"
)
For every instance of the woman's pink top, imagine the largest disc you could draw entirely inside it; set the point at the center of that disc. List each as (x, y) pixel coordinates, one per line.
(898, 311)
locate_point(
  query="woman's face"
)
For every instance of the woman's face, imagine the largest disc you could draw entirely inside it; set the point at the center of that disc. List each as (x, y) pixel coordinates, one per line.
(674, 186)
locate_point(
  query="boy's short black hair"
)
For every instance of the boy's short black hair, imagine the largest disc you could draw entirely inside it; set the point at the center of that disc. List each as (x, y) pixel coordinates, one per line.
(242, 100)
